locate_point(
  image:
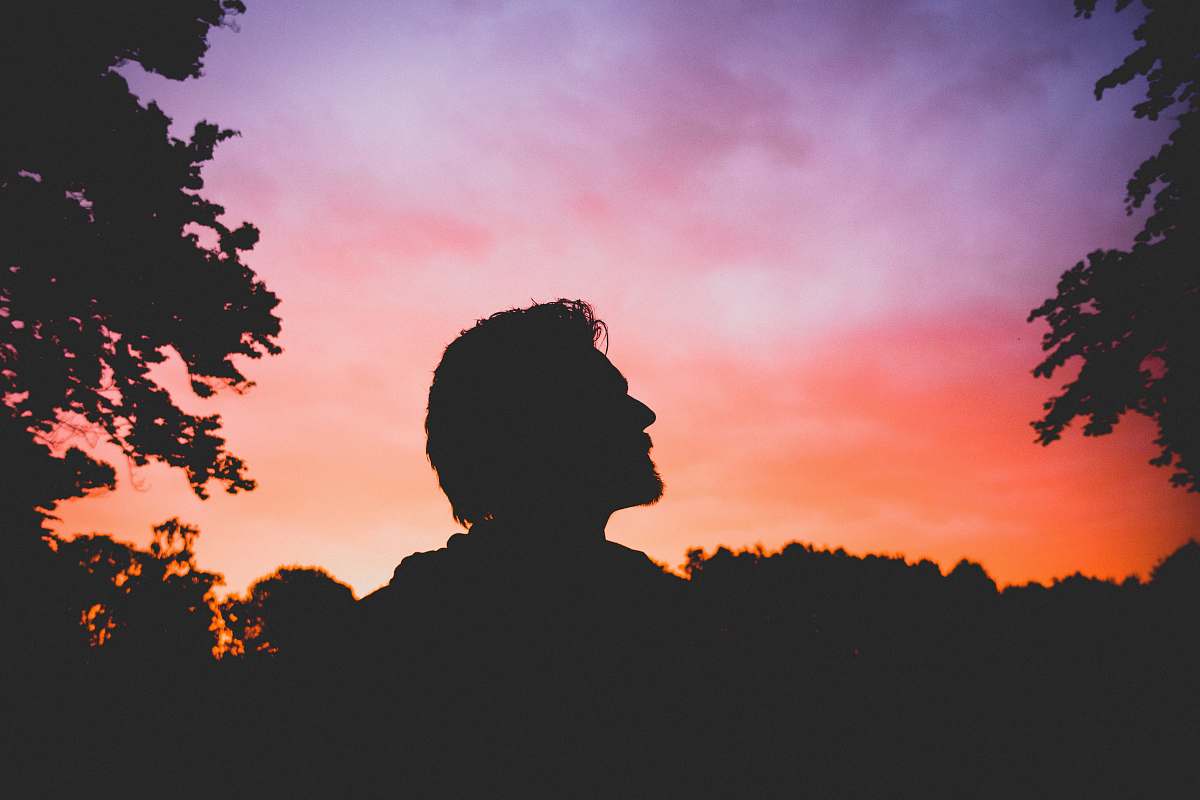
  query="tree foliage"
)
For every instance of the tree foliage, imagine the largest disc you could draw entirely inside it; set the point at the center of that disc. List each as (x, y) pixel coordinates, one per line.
(1131, 318)
(143, 604)
(111, 259)
(296, 612)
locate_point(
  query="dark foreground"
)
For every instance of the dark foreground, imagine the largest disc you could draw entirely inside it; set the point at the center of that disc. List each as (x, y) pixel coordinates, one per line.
(804, 673)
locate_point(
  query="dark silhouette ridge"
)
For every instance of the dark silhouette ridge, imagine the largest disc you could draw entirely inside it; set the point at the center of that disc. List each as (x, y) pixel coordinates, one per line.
(803, 671)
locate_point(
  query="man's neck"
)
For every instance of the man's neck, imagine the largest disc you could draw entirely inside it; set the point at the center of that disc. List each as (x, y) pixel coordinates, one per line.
(554, 528)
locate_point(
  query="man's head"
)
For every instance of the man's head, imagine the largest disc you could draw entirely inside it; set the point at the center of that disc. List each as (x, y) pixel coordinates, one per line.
(526, 414)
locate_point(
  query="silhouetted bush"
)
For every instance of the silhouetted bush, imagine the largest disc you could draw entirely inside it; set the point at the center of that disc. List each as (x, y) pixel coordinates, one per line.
(296, 612)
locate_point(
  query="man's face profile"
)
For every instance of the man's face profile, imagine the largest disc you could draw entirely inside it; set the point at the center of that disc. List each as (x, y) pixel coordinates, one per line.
(586, 439)
(529, 419)
(613, 425)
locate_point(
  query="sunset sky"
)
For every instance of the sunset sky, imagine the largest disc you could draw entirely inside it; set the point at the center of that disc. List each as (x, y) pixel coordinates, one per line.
(814, 229)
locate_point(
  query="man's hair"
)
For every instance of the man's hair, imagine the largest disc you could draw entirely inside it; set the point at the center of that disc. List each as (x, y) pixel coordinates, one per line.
(493, 397)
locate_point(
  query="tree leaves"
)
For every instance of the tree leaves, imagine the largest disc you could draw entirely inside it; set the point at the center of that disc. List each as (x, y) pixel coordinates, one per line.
(106, 270)
(1131, 319)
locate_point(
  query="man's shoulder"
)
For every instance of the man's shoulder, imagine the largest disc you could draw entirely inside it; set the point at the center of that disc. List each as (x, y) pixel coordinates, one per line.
(475, 560)
(638, 562)
(428, 562)
(415, 569)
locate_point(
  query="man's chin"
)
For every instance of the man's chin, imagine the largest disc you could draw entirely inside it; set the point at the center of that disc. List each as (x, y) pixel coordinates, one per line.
(637, 487)
(650, 489)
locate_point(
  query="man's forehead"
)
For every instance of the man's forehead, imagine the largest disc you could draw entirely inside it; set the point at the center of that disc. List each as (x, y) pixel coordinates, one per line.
(606, 368)
(596, 369)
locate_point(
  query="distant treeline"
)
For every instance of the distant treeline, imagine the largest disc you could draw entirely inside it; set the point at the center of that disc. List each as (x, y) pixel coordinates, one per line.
(804, 671)
(92, 597)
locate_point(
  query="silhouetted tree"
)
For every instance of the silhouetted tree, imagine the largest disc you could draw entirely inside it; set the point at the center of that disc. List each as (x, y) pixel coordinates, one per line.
(1177, 578)
(152, 604)
(1132, 318)
(1181, 568)
(110, 258)
(297, 611)
(971, 579)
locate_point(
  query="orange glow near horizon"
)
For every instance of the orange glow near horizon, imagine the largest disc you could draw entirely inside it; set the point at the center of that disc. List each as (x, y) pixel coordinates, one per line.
(895, 443)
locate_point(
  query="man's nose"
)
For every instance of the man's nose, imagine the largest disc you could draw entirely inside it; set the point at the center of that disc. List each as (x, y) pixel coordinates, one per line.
(646, 415)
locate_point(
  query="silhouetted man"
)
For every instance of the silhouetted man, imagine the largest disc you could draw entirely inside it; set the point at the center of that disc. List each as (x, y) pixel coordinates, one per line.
(533, 614)
(536, 442)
